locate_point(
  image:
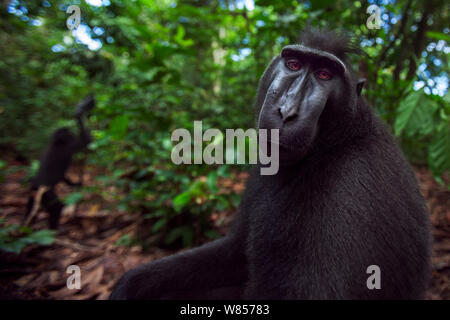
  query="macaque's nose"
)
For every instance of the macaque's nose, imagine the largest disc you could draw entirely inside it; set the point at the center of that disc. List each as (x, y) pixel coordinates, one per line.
(288, 113)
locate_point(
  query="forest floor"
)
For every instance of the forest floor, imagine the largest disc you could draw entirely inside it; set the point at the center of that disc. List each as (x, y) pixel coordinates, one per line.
(88, 235)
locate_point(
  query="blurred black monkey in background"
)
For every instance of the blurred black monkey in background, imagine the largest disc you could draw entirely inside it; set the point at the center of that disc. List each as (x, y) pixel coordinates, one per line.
(54, 163)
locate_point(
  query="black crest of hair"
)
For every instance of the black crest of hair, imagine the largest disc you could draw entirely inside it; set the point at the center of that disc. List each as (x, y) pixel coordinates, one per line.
(344, 200)
(339, 44)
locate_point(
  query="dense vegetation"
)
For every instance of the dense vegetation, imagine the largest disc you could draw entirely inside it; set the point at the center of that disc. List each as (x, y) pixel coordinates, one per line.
(155, 66)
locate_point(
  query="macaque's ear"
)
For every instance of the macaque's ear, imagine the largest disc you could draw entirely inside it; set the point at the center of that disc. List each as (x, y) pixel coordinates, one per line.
(360, 85)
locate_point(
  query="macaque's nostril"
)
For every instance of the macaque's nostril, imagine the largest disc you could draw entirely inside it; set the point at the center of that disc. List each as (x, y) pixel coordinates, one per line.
(287, 115)
(290, 117)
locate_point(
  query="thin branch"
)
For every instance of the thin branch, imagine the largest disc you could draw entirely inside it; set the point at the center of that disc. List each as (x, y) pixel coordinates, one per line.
(402, 32)
(419, 41)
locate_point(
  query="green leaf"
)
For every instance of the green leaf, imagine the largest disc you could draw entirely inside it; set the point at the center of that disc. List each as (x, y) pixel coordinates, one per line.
(415, 115)
(212, 234)
(439, 151)
(156, 214)
(34, 167)
(185, 232)
(188, 236)
(15, 246)
(119, 126)
(447, 97)
(42, 237)
(73, 198)
(181, 200)
(26, 229)
(180, 35)
(125, 241)
(211, 181)
(223, 171)
(405, 111)
(159, 224)
(174, 235)
(438, 35)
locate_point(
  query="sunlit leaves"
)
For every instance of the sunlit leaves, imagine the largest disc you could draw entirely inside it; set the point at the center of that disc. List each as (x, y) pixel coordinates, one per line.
(415, 115)
(118, 126)
(439, 151)
(422, 117)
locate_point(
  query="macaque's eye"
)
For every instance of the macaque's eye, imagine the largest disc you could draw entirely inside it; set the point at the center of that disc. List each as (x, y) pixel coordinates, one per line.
(293, 64)
(324, 75)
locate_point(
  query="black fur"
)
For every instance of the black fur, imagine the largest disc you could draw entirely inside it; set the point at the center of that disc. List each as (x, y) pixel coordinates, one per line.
(348, 200)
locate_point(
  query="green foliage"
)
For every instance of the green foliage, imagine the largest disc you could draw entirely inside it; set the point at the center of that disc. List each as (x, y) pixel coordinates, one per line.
(184, 203)
(424, 118)
(164, 64)
(126, 240)
(73, 198)
(13, 238)
(2, 170)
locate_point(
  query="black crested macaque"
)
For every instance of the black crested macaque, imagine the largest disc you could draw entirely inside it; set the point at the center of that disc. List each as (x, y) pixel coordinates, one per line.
(343, 199)
(53, 166)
